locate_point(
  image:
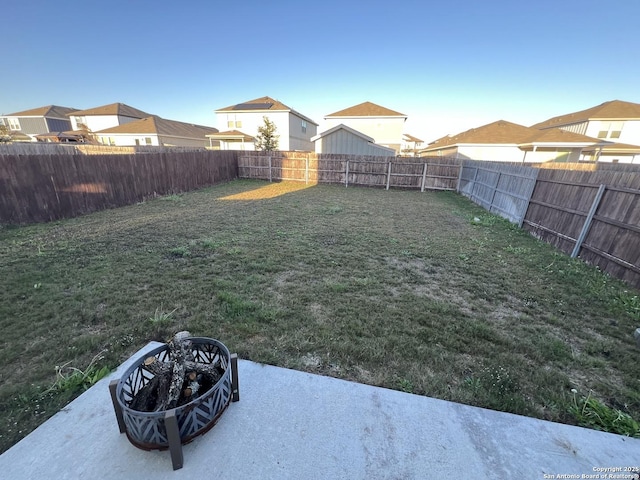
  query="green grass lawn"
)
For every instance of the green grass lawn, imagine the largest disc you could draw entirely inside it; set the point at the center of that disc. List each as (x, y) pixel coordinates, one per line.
(421, 292)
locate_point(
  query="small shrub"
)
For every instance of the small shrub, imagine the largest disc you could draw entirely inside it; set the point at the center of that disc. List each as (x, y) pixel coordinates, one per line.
(73, 379)
(180, 252)
(160, 316)
(592, 413)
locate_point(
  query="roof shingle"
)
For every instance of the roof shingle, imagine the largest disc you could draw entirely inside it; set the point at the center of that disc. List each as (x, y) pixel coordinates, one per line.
(161, 126)
(508, 133)
(276, 105)
(51, 111)
(366, 109)
(613, 110)
(113, 109)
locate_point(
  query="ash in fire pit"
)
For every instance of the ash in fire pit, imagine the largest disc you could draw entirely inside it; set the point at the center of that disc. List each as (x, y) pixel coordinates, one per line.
(175, 393)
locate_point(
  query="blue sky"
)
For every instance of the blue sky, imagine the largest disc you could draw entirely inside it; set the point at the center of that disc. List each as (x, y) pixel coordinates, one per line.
(448, 65)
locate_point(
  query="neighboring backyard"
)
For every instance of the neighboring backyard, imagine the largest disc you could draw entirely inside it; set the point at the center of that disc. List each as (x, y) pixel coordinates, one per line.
(421, 292)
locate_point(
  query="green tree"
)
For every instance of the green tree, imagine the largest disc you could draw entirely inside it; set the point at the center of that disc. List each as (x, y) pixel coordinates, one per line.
(5, 134)
(267, 140)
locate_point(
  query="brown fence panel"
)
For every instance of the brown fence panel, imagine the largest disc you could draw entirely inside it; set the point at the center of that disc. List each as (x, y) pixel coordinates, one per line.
(37, 188)
(360, 170)
(593, 214)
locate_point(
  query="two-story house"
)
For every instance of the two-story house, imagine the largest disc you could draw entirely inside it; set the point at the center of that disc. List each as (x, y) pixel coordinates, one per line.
(385, 126)
(239, 123)
(615, 121)
(37, 121)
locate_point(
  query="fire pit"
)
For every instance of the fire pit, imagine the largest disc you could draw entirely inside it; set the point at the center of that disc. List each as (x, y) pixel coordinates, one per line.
(175, 393)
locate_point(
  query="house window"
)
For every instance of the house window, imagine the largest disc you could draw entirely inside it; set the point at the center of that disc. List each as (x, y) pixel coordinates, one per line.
(14, 123)
(304, 126)
(230, 124)
(610, 129)
(238, 124)
(81, 122)
(147, 140)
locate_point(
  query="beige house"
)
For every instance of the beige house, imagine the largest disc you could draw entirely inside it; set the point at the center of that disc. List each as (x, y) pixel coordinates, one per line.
(385, 126)
(617, 122)
(239, 125)
(504, 141)
(156, 131)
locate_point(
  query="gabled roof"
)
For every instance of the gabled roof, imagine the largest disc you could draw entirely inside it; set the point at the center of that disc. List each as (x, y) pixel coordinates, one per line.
(500, 132)
(613, 110)
(113, 109)
(353, 131)
(262, 104)
(50, 111)
(508, 133)
(161, 126)
(366, 109)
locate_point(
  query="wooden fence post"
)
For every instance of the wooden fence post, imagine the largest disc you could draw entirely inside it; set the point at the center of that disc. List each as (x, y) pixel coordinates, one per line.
(346, 176)
(306, 171)
(587, 222)
(388, 175)
(270, 178)
(424, 176)
(460, 170)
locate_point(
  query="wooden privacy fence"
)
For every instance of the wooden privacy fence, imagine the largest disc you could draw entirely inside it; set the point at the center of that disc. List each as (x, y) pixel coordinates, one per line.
(356, 170)
(500, 188)
(589, 210)
(40, 188)
(591, 214)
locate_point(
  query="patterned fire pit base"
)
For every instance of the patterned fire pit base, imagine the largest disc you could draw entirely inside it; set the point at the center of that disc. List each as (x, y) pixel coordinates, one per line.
(169, 429)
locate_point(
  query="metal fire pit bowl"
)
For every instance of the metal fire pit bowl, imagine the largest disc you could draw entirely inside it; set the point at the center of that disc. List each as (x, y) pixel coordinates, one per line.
(170, 429)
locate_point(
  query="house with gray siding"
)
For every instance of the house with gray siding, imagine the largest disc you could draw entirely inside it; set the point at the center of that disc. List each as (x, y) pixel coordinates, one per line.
(348, 141)
(37, 121)
(382, 124)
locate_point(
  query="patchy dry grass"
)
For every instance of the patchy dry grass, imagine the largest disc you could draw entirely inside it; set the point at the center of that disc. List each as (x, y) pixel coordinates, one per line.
(400, 289)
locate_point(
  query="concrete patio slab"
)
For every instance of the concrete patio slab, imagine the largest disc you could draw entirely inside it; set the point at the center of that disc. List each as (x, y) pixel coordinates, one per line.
(295, 425)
